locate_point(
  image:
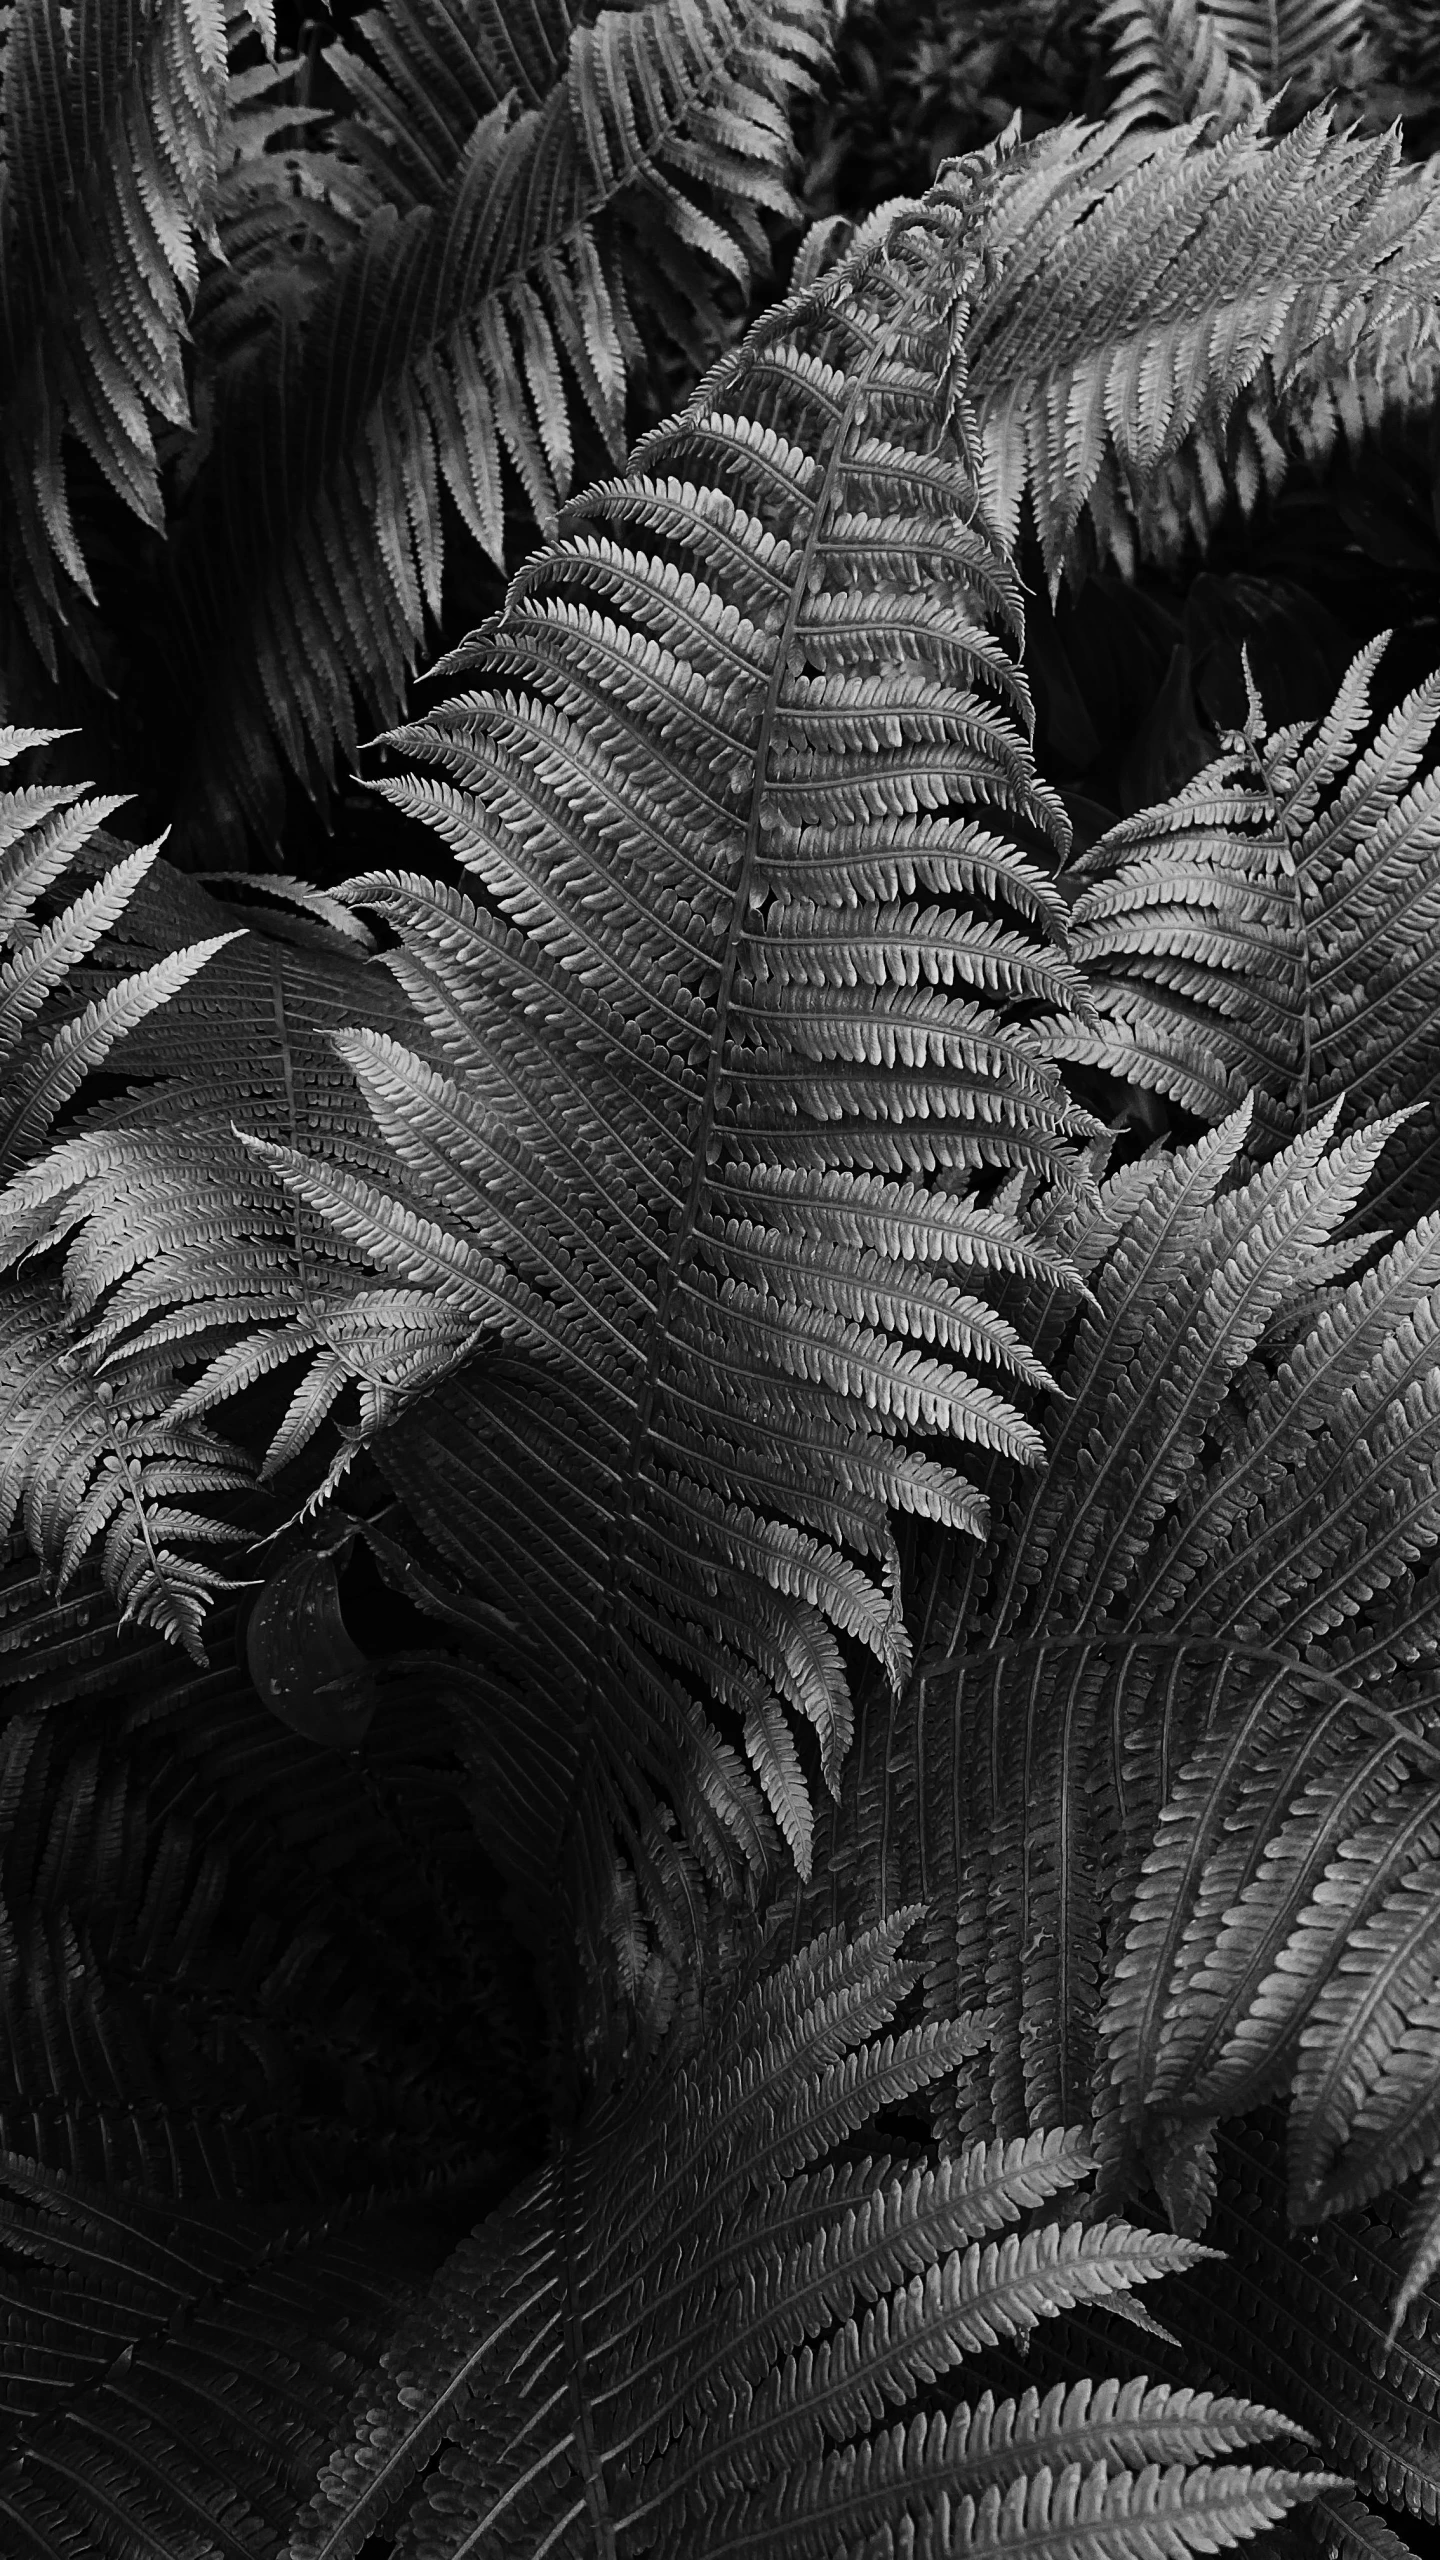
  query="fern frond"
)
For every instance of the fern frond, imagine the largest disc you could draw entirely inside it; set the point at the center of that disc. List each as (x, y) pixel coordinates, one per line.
(691, 2328)
(1282, 41)
(1166, 310)
(106, 195)
(85, 1459)
(1171, 1783)
(519, 237)
(175, 1238)
(699, 1130)
(1170, 63)
(1275, 928)
(1305, 2316)
(1172, 60)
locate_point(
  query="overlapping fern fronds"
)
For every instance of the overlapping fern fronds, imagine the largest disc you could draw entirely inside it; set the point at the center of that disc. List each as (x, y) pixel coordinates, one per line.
(1174, 59)
(1174, 318)
(697, 1174)
(533, 192)
(176, 1238)
(169, 2376)
(1169, 62)
(1275, 928)
(1172, 1780)
(84, 1458)
(694, 2328)
(106, 198)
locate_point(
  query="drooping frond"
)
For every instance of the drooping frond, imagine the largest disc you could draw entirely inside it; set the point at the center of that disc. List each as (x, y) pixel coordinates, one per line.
(1275, 928)
(706, 2326)
(1167, 310)
(541, 191)
(106, 186)
(285, 211)
(695, 1173)
(1172, 1782)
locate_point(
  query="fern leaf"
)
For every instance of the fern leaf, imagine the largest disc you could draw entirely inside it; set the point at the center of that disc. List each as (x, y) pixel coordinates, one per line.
(1272, 928)
(1171, 62)
(661, 2338)
(108, 183)
(174, 1235)
(1282, 39)
(665, 1031)
(1173, 1777)
(87, 1458)
(496, 265)
(1212, 294)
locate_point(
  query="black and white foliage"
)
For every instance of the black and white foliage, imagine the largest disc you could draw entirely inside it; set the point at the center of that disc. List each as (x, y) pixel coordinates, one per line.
(663, 1604)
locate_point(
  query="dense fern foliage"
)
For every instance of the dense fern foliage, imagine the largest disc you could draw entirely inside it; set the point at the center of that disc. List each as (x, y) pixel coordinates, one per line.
(720, 1472)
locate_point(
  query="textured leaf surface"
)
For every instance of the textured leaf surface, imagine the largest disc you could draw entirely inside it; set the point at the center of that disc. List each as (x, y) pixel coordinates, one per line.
(757, 1003)
(692, 2331)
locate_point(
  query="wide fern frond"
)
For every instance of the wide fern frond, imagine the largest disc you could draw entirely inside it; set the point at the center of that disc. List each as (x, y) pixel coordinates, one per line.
(106, 196)
(690, 2329)
(1275, 928)
(498, 276)
(1171, 1781)
(697, 1173)
(84, 1459)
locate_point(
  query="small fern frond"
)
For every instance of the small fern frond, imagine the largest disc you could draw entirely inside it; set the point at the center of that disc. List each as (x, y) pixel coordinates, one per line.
(106, 196)
(1276, 927)
(1285, 41)
(46, 1047)
(517, 240)
(89, 1459)
(175, 1238)
(692, 2327)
